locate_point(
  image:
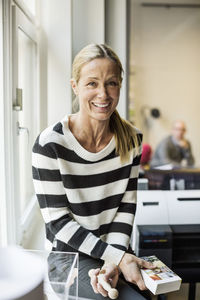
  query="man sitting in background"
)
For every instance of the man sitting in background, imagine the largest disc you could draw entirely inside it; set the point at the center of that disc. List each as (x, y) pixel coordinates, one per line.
(174, 149)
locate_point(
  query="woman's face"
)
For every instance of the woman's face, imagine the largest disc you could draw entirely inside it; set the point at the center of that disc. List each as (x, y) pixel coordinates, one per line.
(98, 88)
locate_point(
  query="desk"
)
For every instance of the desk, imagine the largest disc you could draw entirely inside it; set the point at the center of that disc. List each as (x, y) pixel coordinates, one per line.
(177, 178)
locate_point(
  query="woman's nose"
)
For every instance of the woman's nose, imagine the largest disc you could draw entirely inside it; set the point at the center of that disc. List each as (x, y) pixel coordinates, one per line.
(102, 92)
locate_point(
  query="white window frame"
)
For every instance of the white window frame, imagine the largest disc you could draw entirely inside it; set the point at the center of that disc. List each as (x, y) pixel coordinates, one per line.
(7, 209)
(13, 230)
(3, 227)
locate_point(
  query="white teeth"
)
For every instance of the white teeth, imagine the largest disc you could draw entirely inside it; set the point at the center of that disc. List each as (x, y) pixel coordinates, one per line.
(101, 105)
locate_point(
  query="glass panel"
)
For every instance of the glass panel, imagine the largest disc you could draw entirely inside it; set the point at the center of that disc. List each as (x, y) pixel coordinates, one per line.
(31, 5)
(164, 75)
(61, 274)
(27, 120)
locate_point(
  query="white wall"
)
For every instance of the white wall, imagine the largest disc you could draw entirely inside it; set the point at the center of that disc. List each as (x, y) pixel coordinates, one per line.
(116, 37)
(103, 21)
(66, 27)
(55, 20)
(88, 23)
(165, 69)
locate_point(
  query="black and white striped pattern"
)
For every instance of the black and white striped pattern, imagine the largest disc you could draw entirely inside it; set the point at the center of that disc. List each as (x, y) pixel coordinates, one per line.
(88, 200)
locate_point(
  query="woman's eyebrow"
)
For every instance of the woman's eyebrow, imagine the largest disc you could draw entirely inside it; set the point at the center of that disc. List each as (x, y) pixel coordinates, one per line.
(110, 77)
(113, 76)
(92, 78)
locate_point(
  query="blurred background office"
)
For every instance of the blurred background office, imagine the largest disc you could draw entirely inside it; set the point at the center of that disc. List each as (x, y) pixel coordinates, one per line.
(158, 42)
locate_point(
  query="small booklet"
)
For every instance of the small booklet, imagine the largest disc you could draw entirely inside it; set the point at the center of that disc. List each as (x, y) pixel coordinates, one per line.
(161, 279)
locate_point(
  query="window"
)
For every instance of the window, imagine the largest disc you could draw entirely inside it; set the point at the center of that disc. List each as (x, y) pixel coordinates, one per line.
(25, 112)
(31, 6)
(20, 119)
(2, 145)
(26, 127)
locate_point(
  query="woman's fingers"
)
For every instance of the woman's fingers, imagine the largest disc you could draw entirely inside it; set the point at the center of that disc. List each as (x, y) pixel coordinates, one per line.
(111, 272)
(93, 273)
(145, 264)
(142, 264)
(114, 281)
(101, 290)
(130, 266)
(97, 287)
(139, 281)
(137, 278)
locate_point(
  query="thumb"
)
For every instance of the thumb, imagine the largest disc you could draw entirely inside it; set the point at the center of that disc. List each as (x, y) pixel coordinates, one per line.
(145, 264)
(111, 274)
(148, 265)
(110, 270)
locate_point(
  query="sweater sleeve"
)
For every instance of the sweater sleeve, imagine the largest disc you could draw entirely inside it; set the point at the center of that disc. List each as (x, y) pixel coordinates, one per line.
(122, 225)
(55, 210)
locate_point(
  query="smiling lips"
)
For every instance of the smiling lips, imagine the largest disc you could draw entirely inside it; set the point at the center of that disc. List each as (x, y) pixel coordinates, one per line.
(101, 105)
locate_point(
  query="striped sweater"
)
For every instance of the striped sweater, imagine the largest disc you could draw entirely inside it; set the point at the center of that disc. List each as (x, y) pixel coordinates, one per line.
(87, 200)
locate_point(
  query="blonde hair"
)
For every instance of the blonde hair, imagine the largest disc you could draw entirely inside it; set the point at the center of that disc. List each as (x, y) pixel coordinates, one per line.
(125, 134)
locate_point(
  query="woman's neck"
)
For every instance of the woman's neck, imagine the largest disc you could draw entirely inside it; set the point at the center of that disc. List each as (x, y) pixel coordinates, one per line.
(92, 134)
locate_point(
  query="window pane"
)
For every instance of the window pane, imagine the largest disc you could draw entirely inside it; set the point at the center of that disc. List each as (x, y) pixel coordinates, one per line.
(165, 70)
(27, 120)
(31, 5)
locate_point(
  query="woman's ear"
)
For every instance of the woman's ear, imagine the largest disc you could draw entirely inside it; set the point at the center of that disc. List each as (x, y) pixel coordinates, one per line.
(74, 86)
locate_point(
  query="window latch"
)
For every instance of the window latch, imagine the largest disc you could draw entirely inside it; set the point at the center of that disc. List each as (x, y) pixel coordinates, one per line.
(22, 129)
(19, 100)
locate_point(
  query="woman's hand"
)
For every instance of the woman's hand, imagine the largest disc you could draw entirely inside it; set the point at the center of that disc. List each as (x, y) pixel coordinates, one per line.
(111, 275)
(130, 266)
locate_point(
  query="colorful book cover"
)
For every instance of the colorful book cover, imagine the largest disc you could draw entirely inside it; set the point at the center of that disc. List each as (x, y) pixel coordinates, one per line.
(161, 279)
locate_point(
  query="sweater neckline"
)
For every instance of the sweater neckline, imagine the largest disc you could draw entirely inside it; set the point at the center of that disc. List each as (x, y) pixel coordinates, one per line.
(80, 150)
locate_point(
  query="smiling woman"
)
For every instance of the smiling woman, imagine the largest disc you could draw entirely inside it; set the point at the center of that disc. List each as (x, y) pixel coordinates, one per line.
(105, 57)
(85, 171)
(98, 87)
(98, 92)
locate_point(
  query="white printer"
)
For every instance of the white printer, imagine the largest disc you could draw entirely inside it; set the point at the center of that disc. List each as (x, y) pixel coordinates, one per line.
(167, 222)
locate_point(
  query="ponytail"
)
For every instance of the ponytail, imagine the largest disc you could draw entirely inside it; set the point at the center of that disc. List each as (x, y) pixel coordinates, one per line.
(126, 136)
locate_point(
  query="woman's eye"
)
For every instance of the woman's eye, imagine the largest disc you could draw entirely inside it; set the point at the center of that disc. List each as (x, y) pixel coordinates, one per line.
(92, 83)
(113, 83)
